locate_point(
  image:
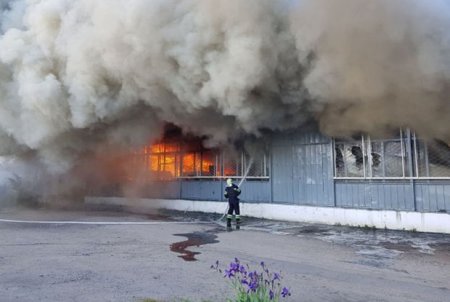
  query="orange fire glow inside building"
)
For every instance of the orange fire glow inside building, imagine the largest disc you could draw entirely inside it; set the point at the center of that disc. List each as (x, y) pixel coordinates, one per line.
(161, 159)
(166, 160)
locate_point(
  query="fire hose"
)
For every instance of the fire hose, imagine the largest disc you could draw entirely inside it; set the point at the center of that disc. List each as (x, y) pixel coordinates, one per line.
(250, 163)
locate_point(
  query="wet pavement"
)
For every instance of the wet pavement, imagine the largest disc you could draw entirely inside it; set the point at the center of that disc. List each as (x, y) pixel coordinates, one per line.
(377, 246)
(169, 258)
(195, 239)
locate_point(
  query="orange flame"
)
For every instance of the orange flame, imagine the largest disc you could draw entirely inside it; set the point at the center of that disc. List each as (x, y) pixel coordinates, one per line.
(163, 161)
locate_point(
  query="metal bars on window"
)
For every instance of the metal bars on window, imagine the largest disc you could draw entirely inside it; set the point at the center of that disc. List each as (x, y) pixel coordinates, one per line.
(236, 165)
(402, 157)
(166, 160)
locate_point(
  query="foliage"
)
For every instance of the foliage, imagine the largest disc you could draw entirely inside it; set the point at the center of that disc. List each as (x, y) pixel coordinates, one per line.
(252, 285)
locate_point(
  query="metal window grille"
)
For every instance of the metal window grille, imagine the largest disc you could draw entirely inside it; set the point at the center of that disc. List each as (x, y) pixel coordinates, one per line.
(232, 165)
(168, 160)
(349, 159)
(433, 159)
(259, 165)
(397, 158)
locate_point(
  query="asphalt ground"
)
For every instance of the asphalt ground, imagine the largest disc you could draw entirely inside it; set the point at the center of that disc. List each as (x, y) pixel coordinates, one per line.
(85, 256)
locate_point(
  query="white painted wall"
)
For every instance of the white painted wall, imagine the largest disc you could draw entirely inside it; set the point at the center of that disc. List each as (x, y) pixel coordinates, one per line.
(395, 220)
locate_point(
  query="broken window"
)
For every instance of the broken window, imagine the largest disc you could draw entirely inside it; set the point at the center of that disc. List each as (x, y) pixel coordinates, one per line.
(366, 158)
(404, 156)
(349, 159)
(374, 159)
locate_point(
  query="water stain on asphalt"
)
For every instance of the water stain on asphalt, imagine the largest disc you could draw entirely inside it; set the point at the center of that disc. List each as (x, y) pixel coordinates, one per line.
(194, 239)
(376, 247)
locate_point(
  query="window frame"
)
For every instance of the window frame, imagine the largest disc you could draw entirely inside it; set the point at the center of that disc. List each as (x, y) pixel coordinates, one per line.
(409, 148)
(183, 149)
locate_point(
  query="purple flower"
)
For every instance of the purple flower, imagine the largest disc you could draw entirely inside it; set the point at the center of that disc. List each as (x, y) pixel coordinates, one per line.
(249, 282)
(229, 273)
(271, 295)
(253, 285)
(234, 267)
(242, 269)
(285, 292)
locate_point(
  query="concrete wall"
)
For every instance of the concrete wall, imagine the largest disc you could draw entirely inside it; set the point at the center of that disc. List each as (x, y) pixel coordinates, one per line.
(396, 220)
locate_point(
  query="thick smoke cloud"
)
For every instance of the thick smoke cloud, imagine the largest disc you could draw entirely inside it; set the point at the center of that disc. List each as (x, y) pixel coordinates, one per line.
(79, 75)
(378, 64)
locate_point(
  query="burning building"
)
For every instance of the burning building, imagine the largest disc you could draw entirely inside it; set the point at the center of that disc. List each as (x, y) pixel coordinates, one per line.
(305, 167)
(308, 171)
(346, 101)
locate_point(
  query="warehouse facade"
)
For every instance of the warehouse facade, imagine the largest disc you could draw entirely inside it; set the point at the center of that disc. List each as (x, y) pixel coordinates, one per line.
(402, 173)
(357, 181)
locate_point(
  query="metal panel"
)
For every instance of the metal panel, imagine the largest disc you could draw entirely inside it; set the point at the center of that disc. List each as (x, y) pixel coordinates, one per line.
(433, 196)
(255, 191)
(374, 195)
(201, 189)
(282, 174)
(163, 189)
(313, 166)
(299, 137)
(252, 191)
(302, 169)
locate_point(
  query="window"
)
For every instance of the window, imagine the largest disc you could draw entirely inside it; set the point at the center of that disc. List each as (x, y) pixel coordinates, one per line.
(257, 165)
(232, 165)
(210, 163)
(163, 160)
(196, 161)
(433, 158)
(349, 159)
(254, 166)
(189, 159)
(403, 156)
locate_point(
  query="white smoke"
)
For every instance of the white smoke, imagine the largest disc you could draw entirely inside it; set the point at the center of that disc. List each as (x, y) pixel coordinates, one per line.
(79, 74)
(11, 14)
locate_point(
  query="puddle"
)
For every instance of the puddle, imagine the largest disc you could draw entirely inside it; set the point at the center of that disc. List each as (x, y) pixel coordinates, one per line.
(193, 239)
(400, 246)
(306, 230)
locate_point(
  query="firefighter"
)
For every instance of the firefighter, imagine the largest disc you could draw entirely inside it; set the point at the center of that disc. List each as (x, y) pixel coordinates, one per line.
(232, 192)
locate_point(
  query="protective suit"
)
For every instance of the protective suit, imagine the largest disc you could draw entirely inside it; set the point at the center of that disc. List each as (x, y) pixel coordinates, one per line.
(232, 192)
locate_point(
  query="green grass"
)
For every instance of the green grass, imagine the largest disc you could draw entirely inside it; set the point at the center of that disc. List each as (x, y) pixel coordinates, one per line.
(178, 300)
